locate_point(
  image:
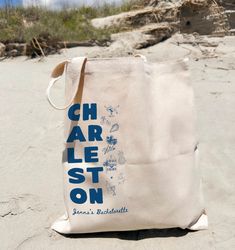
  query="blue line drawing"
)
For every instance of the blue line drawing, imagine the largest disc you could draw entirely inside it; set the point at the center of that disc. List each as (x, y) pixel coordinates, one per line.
(111, 140)
(104, 121)
(111, 189)
(108, 149)
(121, 178)
(121, 158)
(110, 164)
(114, 128)
(112, 110)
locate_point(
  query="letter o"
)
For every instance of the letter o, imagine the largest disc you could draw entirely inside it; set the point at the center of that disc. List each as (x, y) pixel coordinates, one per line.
(78, 191)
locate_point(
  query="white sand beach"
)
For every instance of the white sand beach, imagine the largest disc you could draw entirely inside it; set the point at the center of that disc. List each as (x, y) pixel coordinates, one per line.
(31, 140)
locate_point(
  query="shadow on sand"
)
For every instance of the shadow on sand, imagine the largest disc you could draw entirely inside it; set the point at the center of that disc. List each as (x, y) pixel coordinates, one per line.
(134, 235)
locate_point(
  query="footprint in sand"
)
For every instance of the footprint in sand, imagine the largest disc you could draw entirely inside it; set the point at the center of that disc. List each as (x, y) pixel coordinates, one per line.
(19, 204)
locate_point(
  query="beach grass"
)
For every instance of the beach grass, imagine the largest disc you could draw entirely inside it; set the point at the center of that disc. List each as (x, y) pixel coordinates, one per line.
(18, 24)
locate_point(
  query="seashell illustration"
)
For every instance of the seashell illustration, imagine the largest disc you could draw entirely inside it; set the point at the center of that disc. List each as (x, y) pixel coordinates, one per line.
(114, 128)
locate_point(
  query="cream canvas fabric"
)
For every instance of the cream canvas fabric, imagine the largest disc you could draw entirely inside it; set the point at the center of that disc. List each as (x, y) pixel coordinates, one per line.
(130, 158)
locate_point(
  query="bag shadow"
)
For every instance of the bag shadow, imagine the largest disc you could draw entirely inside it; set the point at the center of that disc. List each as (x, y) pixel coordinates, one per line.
(134, 235)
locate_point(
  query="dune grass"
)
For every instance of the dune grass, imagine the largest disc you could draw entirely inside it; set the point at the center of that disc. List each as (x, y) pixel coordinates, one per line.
(23, 24)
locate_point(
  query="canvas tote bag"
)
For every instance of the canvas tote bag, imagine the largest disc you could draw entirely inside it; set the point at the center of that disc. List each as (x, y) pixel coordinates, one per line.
(130, 157)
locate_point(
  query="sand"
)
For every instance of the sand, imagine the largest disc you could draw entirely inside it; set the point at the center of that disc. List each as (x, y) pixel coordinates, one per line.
(31, 136)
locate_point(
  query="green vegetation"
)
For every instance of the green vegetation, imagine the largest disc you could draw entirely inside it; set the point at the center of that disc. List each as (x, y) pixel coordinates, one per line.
(23, 24)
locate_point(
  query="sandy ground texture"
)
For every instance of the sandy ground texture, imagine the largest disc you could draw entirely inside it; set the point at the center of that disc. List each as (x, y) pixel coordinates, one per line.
(31, 137)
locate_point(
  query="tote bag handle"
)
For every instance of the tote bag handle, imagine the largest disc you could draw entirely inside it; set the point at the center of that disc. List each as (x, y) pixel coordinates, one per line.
(58, 72)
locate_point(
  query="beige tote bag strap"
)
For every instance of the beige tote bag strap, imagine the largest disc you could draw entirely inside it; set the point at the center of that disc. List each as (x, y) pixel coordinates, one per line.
(58, 72)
